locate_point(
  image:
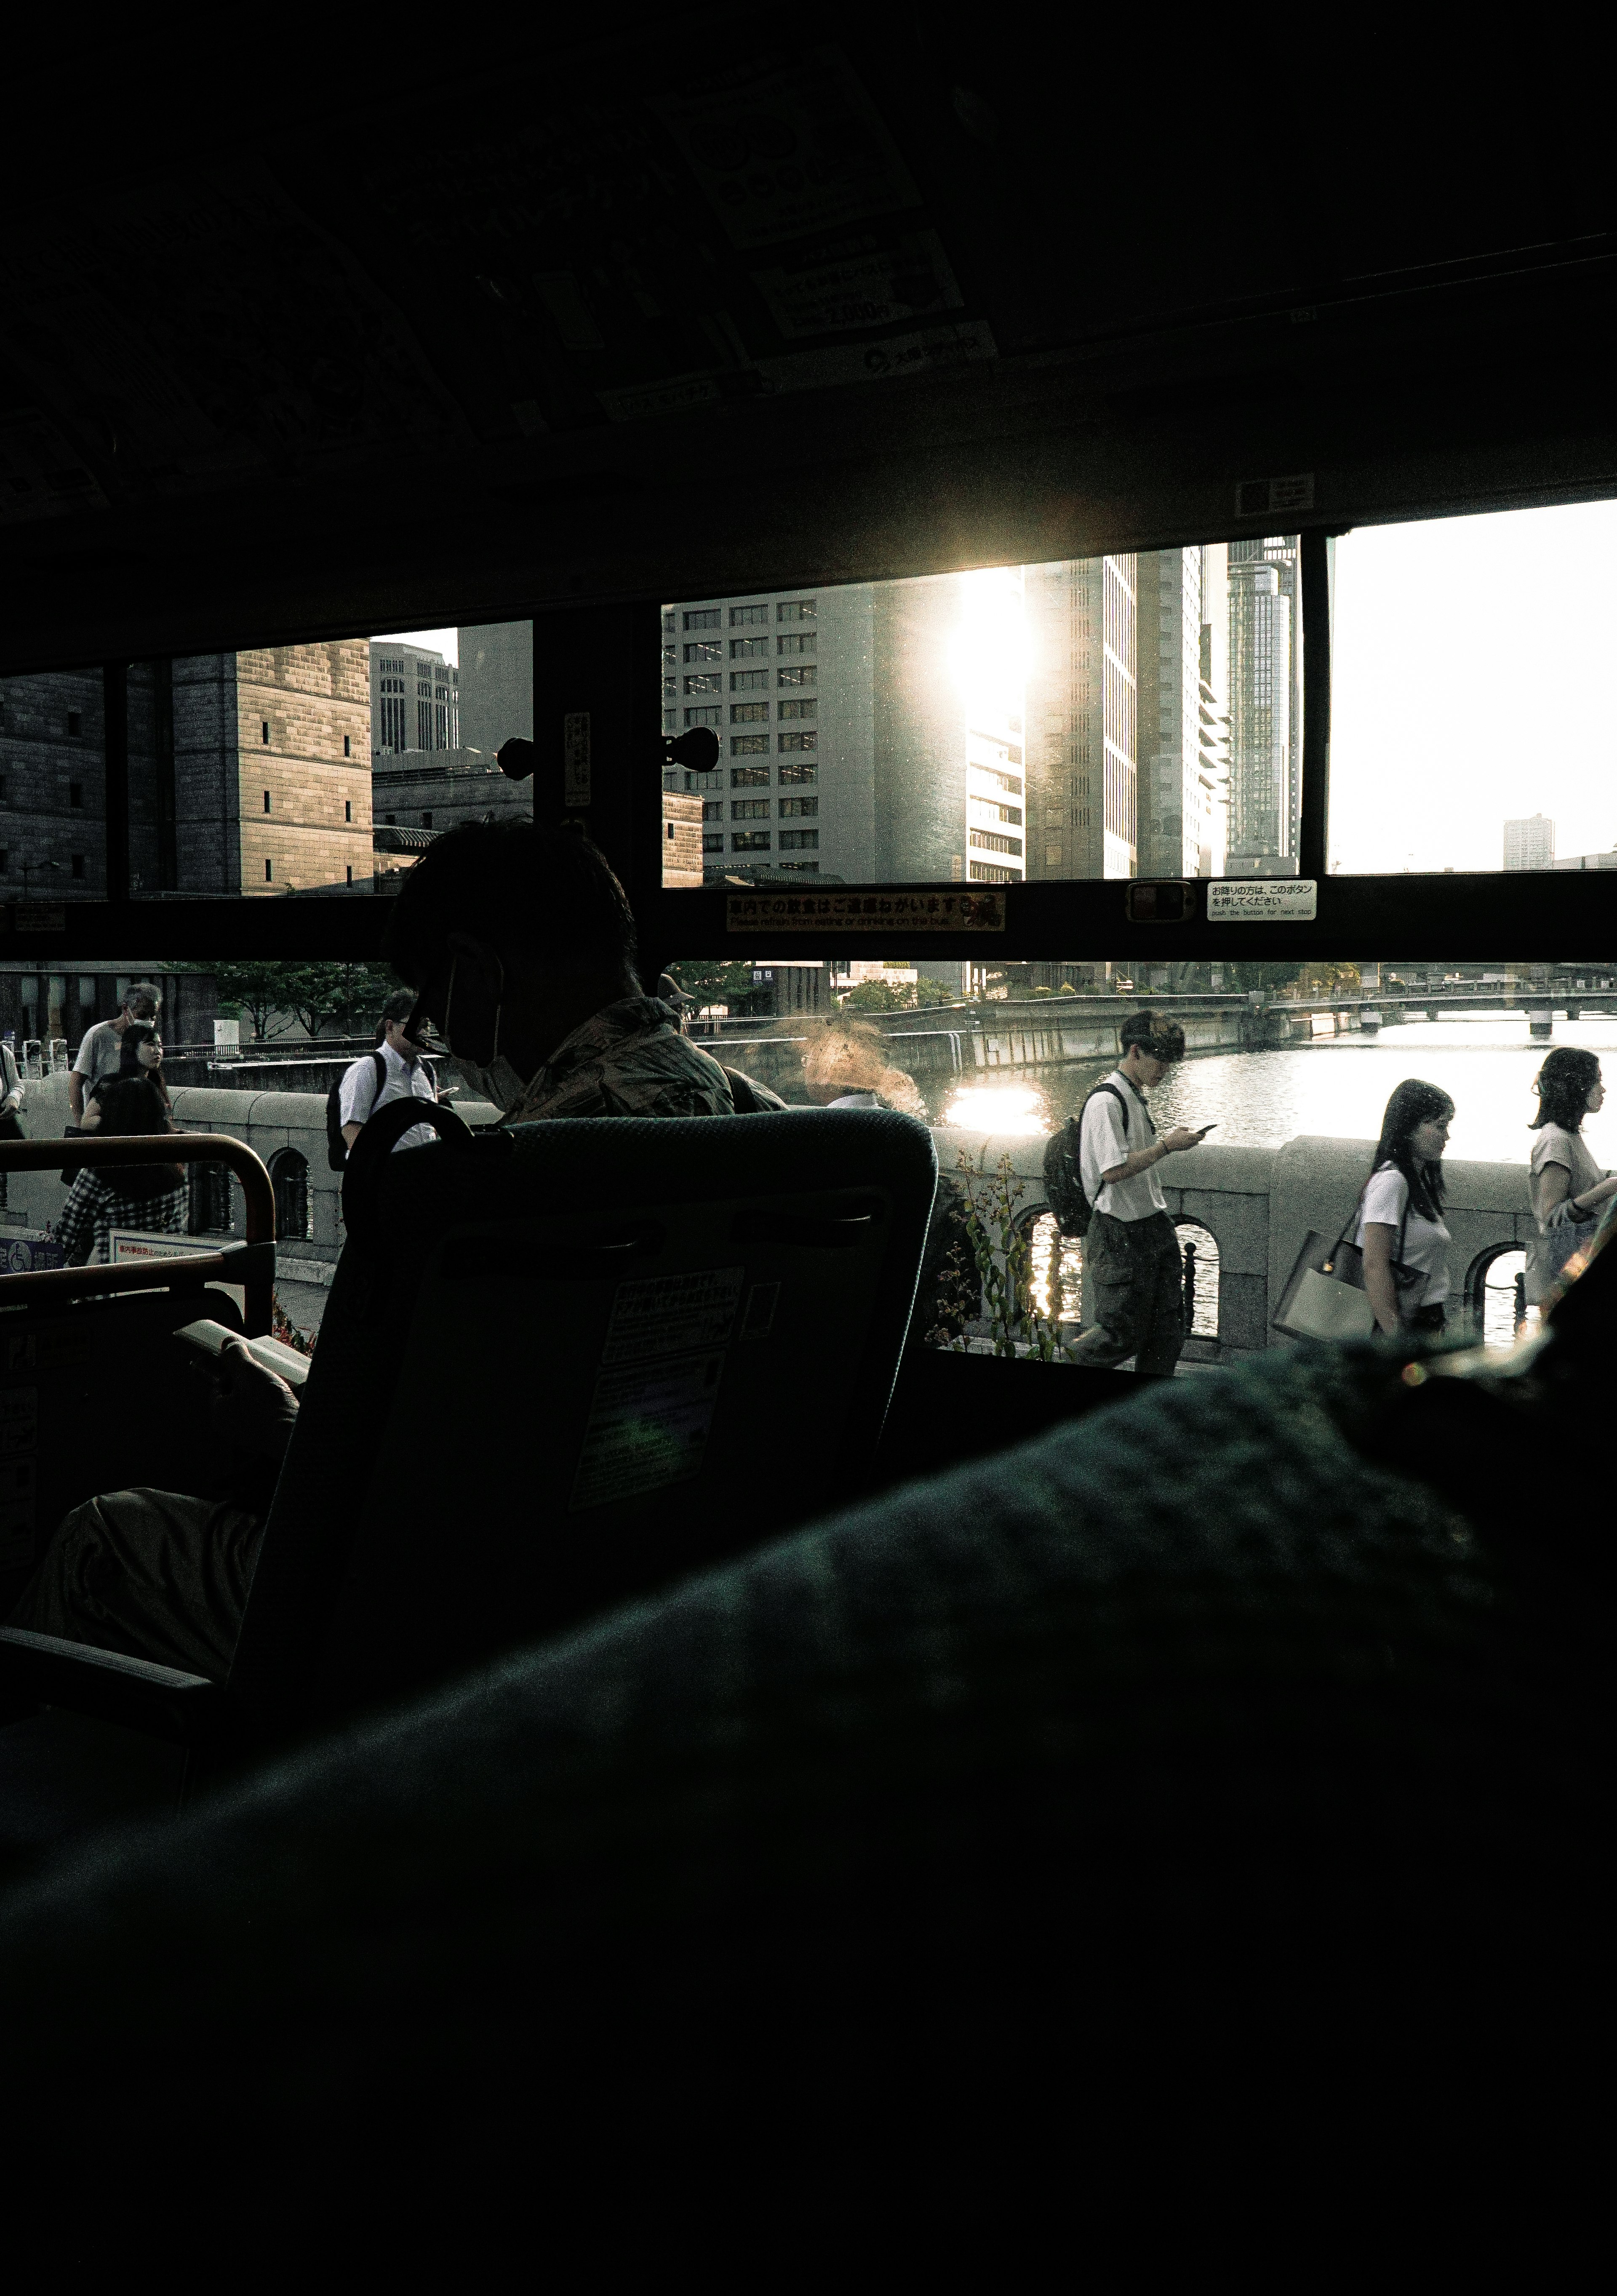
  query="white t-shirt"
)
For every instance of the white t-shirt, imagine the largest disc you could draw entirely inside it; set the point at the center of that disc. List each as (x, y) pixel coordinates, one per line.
(1426, 1241)
(1548, 1248)
(405, 1079)
(100, 1051)
(1104, 1144)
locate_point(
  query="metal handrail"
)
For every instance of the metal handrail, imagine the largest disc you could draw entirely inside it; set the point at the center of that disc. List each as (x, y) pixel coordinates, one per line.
(257, 1191)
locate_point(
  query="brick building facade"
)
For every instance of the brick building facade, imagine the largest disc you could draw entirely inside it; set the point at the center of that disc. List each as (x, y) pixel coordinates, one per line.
(248, 772)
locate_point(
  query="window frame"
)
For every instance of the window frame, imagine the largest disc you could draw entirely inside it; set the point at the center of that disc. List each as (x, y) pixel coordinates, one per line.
(1424, 916)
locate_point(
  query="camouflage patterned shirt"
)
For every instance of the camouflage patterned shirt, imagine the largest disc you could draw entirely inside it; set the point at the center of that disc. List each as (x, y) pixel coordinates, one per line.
(629, 1059)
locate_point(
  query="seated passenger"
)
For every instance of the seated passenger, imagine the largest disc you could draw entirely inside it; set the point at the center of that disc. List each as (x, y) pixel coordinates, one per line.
(163, 1575)
(149, 1197)
(520, 944)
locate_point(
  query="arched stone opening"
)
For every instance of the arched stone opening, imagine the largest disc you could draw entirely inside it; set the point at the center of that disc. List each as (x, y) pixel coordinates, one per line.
(1199, 1254)
(210, 1209)
(1494, 1296)
(289, 1177)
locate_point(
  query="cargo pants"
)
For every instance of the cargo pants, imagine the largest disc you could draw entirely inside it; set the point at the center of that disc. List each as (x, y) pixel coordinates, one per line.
(1140, 1294)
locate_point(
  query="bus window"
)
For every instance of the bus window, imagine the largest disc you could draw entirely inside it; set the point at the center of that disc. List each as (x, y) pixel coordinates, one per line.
(1137, 715)
(1291, 1062)
(1469, 710)
(323, 768)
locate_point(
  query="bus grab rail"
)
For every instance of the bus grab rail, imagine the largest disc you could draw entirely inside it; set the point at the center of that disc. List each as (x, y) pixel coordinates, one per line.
(156, 1148)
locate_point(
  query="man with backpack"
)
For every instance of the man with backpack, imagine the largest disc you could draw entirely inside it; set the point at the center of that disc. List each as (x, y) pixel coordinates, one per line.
(395, 1071)
(1100, 1172)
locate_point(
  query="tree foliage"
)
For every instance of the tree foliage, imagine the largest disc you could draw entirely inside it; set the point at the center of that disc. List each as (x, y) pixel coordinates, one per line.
(876, 997)
(345, 998)
(710, 982)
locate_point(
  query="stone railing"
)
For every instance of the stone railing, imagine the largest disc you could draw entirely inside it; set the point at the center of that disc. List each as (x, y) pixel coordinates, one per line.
(1258, 1204)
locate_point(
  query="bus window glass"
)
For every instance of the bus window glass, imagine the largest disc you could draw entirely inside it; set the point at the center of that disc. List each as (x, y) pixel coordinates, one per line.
(53, 787)
(321, 769)
(1137, 715)
(1293, 1064)
(1470, 715)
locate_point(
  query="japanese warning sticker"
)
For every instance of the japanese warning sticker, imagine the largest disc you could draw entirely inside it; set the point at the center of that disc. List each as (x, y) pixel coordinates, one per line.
(647, 1427)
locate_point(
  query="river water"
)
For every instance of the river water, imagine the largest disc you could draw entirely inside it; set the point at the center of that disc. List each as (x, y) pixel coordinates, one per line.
(1337, 1087)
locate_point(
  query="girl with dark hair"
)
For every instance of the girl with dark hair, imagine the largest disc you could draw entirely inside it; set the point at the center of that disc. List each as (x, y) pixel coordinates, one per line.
(148, 1197)
(1401, 1214)
(1565, 1187)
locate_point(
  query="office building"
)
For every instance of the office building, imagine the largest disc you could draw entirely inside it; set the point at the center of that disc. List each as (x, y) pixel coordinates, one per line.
(1531, 844)
(870, 732)
(1265, 722)
(1083, 716)
(415, 699)
(1183, 617)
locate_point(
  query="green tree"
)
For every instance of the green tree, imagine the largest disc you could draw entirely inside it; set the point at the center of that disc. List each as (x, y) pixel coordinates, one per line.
(272, 995)
(1251, 973)
(929, 991)
(876, 996)
(726, 981)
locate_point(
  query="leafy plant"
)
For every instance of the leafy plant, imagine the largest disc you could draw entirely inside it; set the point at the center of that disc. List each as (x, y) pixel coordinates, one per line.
(929, 991)
(714, 983)
(876, 997)
(989, 1267)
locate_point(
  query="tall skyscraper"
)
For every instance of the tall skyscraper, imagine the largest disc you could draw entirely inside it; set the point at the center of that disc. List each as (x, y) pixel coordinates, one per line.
(1182, 745)
(1083, 712)
(1530, 844)
(1264, 722)
(866, 733)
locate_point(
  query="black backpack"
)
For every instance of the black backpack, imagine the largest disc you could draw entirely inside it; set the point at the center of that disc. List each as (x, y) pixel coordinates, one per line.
(336, 1146)
(1063, 1185)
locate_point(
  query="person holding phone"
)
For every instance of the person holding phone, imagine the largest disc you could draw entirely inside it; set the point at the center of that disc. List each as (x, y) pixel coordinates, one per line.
(1131, 1252)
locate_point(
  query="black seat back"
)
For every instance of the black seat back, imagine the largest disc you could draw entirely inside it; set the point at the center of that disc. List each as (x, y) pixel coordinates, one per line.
(562, 1364)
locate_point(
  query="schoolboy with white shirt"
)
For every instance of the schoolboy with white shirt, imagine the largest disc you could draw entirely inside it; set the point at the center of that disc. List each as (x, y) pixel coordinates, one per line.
(404, 1075)
(1132, 1253)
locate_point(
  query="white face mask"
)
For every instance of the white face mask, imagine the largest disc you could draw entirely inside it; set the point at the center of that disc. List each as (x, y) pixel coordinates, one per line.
(498, 1082)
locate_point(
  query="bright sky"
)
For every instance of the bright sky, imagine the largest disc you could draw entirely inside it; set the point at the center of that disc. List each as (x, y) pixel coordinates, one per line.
(444, 641)
(1472, 685)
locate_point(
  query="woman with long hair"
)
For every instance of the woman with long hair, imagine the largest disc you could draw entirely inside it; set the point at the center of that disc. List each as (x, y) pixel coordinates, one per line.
(1401, 1214)
(149, 1197)
(1565, 1187)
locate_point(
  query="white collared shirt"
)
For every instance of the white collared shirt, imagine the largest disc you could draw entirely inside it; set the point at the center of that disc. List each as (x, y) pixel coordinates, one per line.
(405, 1078)
(1104, 1144)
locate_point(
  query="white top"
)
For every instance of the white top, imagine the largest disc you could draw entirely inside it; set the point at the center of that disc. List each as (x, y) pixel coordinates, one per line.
(360, 1099)
(1426, 1241)
(100, 1051)
(1103, 1143)
(1552, 1143)
(11, 1076)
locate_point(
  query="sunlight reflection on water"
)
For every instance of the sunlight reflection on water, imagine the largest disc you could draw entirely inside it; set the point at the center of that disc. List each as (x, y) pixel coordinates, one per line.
(1334, 1087)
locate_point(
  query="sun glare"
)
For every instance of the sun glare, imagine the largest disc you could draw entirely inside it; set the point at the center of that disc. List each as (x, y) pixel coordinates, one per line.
(990, 649)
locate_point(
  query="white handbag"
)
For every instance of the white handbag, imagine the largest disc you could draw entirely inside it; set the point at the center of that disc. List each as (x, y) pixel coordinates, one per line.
(1322, 1308)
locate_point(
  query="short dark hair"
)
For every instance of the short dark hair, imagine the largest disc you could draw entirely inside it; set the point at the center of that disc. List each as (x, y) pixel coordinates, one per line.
(545, 890)
(1154, 1033)
(397, 1007)
(1563, 1085)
